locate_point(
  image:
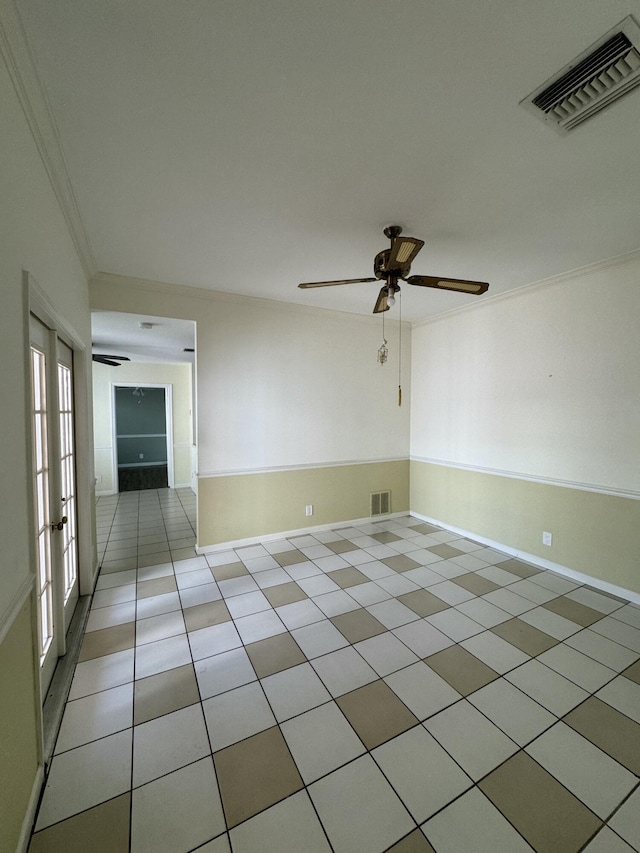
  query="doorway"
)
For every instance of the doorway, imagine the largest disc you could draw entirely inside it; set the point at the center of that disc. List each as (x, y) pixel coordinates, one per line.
(55, 493)
(143, 439)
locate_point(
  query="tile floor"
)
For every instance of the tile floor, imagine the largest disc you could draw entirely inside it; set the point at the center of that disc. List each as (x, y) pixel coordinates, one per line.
(386, 687)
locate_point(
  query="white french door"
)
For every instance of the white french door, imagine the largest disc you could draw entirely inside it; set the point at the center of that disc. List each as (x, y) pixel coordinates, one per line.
(55, 499)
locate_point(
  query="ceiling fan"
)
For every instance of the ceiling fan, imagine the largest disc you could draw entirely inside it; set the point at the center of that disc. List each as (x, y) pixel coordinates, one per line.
(111, 360)
(393, 264)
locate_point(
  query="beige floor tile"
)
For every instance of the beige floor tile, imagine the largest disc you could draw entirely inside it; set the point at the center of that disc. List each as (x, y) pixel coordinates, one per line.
(290, 558)
(229, 570)
(358, 625)
(274, 654)
(255, 774)
(400, 563)
(158, 586)
(462, 670)
(164, 693)
(574, 611)
(341, 546)
(445, 551)
(107, 641)
(475, 583)
(348, 577)
(550, 818)
(101, 829)
(205, 615)
(415, 842)
(517, 567)
(524, 636)
(422, 602)
(613, 732)
(391, 717)
(384, 537)
(284, 593)
(633, 672)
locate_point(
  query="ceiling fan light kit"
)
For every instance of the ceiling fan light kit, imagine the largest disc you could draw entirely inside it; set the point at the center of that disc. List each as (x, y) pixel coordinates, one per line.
(394, 264)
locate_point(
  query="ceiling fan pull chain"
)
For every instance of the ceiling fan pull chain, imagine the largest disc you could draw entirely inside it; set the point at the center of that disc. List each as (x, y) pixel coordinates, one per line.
(399, 349)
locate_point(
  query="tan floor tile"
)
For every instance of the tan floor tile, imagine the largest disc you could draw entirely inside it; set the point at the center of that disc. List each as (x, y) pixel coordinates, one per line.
(101, 829)
(385, 536)
(157, 586)
(348, 577)
(290, 558)
(524, 636)
(164, 693)
(423, 602)
(229, 571)
(475, 583)
(205, 615)
(550, 818)
(400, 563)
(462, 670)
(574, 611)
(376, 713)
(153, 559)
(341, 546)
(183, 554)
(445, 551)
(517, 567)
(254, 774)
(633, 672)
(358, 625)
(274, 654)
(284, 593)
(424, 528)
(615, 733)
(413, 843)
(107, 641)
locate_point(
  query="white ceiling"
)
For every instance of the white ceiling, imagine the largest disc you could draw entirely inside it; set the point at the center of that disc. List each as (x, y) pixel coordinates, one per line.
(245, 146)
(115, 333)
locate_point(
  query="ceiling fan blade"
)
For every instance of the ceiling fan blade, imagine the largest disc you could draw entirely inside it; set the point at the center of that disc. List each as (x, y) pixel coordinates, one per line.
(108, 355)
(103, 359)
(460, 285)
(381, 303)
(332, 283)
(403, 251)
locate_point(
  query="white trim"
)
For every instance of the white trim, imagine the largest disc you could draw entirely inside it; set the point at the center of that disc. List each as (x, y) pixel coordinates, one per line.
(30, 814)
(203, 475)
(589, 269)
(299, 531)
(547, 481)
(11, 612)
(559, 569)
(32, 95)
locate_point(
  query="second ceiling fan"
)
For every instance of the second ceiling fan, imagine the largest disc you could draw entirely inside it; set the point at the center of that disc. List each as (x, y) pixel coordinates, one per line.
(394, 264)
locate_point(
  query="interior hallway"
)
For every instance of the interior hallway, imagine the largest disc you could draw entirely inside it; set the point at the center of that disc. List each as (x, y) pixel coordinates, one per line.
(385, 687)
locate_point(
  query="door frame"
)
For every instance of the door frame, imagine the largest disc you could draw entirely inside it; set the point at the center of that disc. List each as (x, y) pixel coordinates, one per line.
(168, 408)
(37, 302)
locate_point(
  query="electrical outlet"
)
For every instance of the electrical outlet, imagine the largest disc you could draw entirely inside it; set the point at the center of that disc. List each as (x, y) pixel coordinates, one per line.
(141, 455)
(309, 509)
(546, 538)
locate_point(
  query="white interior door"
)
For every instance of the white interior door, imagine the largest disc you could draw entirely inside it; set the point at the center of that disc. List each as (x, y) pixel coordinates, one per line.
(55, 501)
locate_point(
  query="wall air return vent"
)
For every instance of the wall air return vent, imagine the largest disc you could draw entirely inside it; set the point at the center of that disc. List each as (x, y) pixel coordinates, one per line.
(605, 72)
(380, 503)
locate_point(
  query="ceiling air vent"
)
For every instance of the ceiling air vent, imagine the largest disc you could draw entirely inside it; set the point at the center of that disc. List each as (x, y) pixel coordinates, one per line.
(605, 72)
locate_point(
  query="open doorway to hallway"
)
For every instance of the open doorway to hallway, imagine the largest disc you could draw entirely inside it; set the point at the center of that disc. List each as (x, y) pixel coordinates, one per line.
(144, 406)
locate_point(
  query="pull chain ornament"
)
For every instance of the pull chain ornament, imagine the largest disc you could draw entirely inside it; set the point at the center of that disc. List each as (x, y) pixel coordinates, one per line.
(383, 352)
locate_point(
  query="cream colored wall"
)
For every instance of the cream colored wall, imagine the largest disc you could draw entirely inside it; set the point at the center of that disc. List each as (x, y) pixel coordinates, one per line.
(526, 416)
(34, 237)
(280, 388)
(147, 373)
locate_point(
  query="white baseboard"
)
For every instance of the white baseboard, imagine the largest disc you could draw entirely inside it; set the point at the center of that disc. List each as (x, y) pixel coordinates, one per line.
(300, 531)
(559, 569)
(30, 814)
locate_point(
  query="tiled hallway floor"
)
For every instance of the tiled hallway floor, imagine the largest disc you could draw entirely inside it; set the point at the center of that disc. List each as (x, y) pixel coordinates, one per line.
(390, 687)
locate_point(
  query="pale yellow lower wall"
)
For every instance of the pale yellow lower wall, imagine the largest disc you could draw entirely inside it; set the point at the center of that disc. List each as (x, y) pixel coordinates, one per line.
(244, 506)
(593, 533)
(18, 727)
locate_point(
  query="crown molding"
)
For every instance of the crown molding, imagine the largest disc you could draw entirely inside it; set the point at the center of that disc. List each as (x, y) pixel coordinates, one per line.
(33, 99)
(589, 269)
